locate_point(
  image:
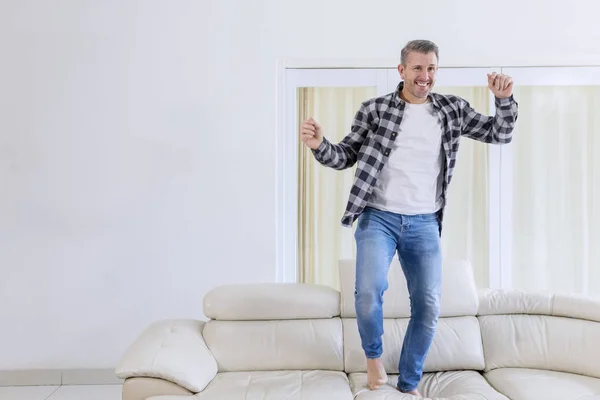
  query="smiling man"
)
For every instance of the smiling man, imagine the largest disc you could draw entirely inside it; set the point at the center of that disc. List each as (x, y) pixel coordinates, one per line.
(405, 144)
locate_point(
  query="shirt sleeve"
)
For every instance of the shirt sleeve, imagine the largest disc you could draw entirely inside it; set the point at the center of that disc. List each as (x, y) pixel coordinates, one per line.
(345, 153)
(497, 129)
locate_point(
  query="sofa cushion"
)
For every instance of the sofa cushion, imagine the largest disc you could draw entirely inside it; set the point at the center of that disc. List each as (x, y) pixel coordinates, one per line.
(276, 345)
(541, 342)
(456, 345)
(278, 385)
(459, 293)
(513, 301)
(142, 388)
(271, 301)
(500, 301)
(533, 384)
(173, 350)
(459, 385)
(576, 306)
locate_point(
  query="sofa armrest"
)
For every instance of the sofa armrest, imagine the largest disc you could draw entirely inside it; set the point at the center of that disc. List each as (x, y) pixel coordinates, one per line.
(173, 350)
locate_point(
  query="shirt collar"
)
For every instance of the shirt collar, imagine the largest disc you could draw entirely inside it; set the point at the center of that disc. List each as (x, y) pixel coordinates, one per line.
(398, 100)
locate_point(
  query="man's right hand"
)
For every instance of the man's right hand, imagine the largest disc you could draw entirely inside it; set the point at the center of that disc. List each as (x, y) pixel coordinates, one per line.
(311, 134)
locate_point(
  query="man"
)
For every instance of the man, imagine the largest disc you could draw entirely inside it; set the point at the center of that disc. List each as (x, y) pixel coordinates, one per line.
(405, 144)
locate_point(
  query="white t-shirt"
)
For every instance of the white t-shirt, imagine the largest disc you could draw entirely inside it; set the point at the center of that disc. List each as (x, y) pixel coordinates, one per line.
(411, 181)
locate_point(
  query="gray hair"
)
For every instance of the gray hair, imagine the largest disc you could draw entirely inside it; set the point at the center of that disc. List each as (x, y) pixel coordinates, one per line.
(419, 46)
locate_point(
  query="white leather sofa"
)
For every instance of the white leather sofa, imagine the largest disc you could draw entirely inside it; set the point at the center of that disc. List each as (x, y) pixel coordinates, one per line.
(300, 342)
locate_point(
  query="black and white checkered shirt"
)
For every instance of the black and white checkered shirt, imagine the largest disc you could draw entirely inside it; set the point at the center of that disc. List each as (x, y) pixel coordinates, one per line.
(376, 126)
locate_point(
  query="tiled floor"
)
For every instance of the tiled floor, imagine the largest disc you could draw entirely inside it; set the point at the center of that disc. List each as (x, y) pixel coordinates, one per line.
(88, 392)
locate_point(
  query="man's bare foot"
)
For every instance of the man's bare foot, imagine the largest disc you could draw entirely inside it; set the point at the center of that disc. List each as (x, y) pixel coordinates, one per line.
(376, 375)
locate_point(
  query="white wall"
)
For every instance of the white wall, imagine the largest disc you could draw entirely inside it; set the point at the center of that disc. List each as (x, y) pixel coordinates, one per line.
(137, 144)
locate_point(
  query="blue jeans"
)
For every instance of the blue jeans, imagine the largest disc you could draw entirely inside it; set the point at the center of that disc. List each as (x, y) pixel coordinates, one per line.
(416, 238)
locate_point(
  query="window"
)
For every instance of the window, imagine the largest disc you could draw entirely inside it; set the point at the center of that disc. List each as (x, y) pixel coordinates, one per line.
(551, 188)
(523, 214)
(312, 198)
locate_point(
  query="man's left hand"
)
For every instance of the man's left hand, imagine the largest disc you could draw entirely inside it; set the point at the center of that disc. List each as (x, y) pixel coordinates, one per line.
(501, 85)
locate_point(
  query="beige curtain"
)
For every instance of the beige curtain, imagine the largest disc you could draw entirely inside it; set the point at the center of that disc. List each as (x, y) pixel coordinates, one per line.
(323, 192)
(556, 189)
(466, 221)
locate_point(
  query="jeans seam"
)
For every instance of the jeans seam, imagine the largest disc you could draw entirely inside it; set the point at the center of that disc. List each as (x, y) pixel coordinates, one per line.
(402, 369)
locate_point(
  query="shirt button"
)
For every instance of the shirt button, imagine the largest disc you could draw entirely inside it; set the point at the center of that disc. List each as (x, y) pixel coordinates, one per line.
(387, 153)
(393, 134)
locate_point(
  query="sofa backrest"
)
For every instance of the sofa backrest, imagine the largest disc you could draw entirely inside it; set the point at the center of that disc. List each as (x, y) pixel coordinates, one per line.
(457, 343)
(558, 332)
(268, 327)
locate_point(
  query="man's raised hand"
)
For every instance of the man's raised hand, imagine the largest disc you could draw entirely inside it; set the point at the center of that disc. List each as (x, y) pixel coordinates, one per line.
(501, 85)
(311, 133)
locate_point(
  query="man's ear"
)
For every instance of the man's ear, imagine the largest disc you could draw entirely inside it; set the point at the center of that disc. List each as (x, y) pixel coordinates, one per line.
(401, 70)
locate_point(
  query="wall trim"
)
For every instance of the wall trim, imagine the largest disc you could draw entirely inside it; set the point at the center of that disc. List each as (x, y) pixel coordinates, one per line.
(392, 62)
(56, 377)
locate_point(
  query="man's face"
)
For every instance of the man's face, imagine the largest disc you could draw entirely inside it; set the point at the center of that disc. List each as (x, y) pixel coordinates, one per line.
(419, 73)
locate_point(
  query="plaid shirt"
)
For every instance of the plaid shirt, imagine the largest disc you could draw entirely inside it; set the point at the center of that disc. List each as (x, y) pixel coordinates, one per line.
(377, 124)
